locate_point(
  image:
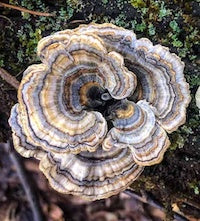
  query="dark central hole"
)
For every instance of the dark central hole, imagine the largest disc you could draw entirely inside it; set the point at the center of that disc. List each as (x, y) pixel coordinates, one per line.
(100, 100)
(94, 96)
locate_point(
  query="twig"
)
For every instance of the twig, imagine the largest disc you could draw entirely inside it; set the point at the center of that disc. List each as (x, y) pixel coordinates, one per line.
(144, 198)
(6, 18)
(31, 195)
(77, 21)
(192, 204)
(25, 10)
(9, 78)
(179, 217)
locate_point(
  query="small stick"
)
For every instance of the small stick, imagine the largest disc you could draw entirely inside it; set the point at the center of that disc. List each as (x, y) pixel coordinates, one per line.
(179, 217)
(2, 16)
(25, 10)
(9, 78)
(77, 21)
(26, 183)
(144, 198)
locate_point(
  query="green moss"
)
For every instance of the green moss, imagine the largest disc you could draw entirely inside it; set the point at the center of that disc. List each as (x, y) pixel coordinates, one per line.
(196, 190)
(105, 2)
(152, 15)
(195, 186)
(163, 11)
(174, 26)
(177, 141)
(28, 38)
(1, 62)
(138, 3)
(140, 27)
(144, 182)
(152, 29)
(21, 38)
(120, 20)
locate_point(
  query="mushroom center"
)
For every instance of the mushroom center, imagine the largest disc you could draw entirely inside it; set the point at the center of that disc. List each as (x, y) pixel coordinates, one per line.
(98, 99)
(87, 90)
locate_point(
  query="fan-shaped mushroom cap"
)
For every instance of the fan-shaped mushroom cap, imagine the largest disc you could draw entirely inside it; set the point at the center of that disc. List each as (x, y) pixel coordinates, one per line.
(159, 72)
(53, 112)
(135, 127)
(97, 108)
(20, 139)
(92, 176)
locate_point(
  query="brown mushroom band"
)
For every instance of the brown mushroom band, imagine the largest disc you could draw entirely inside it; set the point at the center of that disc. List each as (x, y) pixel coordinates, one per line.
(98, 108)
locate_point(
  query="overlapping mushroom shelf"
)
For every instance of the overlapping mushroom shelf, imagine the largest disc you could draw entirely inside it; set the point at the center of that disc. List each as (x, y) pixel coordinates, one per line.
(98, 108)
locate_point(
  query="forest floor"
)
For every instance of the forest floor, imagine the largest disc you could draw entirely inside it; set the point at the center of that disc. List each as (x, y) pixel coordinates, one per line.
(175, 182)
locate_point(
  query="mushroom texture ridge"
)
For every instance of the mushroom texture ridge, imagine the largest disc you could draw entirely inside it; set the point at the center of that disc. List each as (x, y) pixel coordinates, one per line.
(98, 108)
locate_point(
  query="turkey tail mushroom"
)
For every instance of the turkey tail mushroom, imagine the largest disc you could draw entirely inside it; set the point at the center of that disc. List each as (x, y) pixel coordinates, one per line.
(98, 108)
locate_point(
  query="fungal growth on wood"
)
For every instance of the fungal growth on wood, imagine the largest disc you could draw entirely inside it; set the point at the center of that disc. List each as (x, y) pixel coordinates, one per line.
(98, 108)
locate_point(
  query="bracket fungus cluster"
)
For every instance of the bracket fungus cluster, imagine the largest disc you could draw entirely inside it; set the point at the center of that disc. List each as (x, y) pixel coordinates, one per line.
(98, 108)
